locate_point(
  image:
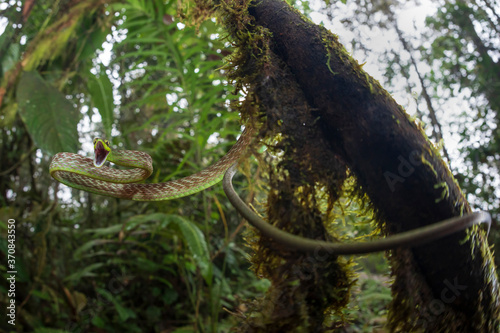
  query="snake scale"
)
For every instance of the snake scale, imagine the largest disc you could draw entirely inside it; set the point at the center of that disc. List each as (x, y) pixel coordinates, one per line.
(92, 176)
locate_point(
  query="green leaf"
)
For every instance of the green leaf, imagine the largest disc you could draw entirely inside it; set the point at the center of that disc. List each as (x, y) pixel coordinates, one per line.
(191, 235)
(146, 265)
(94, 40)
(170, 296)
(49, 117)
(85, 272)
(9, 115)
(11, 57)
(137, 220)
(94, 242)
(99, 322)
(101, 93)
(111, 230)
(197, 244)
(123, 312)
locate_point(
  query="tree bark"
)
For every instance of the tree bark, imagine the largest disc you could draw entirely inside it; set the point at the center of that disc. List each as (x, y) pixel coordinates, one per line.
(406, 180)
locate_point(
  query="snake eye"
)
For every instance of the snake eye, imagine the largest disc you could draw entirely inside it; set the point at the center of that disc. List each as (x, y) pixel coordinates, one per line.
(107, 142)
(95, 141)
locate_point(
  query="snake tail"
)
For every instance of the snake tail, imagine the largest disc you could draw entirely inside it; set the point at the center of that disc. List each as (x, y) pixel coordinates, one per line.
(410, 238)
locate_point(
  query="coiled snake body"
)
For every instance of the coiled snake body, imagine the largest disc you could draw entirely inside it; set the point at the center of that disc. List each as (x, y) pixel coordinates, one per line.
(90, 175)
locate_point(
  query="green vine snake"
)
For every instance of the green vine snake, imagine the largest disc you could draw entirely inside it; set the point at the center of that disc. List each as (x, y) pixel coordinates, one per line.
(91, 175)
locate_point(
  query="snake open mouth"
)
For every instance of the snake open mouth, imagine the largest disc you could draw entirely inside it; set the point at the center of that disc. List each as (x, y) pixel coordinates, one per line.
(100, 154)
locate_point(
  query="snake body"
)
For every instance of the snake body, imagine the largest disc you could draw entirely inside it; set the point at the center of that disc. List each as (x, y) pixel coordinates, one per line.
(81, 172)
(90, 175)
(410, 238)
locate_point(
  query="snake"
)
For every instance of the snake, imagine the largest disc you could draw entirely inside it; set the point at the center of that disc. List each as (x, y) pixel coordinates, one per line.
(93, 176)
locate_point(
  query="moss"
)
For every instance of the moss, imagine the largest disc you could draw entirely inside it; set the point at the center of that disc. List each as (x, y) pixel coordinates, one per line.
(445, 193)
(301, 167)
(308, 292)
(425, 161)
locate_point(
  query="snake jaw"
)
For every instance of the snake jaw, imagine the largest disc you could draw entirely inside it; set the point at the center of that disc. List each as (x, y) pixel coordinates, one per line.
(101, 152)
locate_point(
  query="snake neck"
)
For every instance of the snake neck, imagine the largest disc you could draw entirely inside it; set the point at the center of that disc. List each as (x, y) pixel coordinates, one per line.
(132, 159)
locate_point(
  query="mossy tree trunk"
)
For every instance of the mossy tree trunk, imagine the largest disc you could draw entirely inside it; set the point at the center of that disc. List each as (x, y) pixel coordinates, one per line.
(449, 284)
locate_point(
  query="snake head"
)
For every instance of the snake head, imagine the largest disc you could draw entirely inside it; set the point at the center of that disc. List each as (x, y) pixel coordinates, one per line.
(101, 151)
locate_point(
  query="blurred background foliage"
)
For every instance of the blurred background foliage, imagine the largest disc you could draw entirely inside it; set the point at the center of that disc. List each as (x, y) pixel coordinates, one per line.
(131, 71)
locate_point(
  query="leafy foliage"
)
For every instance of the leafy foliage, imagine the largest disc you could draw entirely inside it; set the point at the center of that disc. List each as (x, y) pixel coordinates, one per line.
(53, 129)
(101, 92)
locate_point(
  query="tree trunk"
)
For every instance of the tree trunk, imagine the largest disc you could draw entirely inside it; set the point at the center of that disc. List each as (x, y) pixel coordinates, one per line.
(405, 178)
